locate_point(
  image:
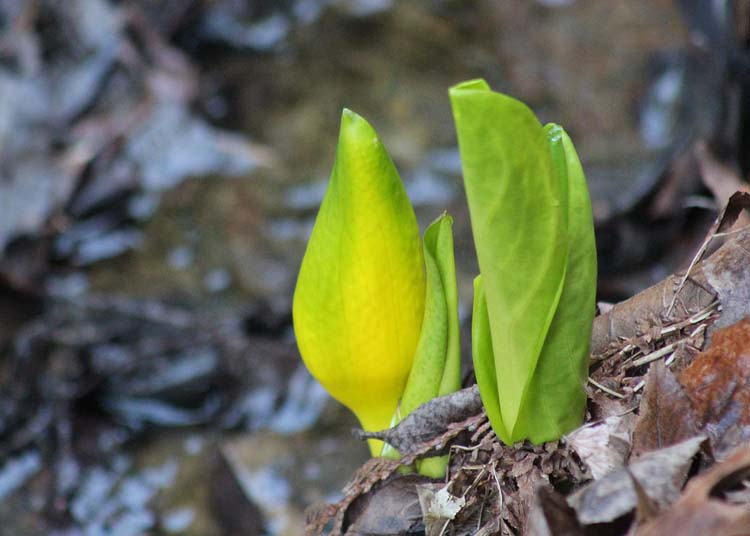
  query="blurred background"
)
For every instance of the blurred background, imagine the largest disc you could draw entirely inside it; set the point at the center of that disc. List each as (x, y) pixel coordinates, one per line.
(161, 163)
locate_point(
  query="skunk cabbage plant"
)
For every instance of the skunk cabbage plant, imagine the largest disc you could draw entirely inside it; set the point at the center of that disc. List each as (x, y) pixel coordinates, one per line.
(371, 311)
(534, 300)
(376, 308)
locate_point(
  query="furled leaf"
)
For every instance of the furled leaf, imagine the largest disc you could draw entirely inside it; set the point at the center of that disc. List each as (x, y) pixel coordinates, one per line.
(437, 362)
(519, 225)
(556, 398)
(484, 361)
(440, 242)
(359, 299)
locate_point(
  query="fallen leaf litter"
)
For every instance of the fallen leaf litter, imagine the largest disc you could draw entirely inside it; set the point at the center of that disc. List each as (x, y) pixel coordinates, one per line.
(654, 411)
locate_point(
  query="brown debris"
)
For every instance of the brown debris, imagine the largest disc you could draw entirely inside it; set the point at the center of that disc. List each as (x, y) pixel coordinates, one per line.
(550, 515)
(650, 361)
(363, 480)
(665, 416)
(660, 473)
(717, 382)
(429, 420)
(500, 482)
(604, 447)
(730, 264)
(392, 507)
(702, 510)
(378, 469)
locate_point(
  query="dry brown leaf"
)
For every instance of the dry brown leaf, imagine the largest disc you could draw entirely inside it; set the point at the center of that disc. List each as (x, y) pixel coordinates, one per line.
(376, 470)
(700, 511)
(732, 438)
(646, 508)
(439, 507)
(390, 508)
(429, 420)
(604, 447)
(362, 481)
(550, 515)
(725, 273)
(661, 473)
(718, 381)
(737, 202)
(666, 414)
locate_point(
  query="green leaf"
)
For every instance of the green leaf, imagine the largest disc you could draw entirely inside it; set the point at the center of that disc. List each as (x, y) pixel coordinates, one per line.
(359, 299)
(484, 361)
(439, 243)
(437, 362)
(519, 225)
(557, 397)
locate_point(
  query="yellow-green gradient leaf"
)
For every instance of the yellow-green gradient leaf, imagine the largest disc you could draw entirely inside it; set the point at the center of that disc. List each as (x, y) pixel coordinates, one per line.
(359, 299)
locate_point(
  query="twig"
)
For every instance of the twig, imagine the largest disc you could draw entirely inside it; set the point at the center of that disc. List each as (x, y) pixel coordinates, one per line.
(481, 512)
(661, 352)
(605, 388)
(697, 330)
(700, 316)
(729, 233)
(465, 449)
(657, 354)
(499, 490)
(684, 279)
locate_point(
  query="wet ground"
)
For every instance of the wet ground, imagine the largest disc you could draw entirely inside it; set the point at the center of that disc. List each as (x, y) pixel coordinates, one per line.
(161, 172)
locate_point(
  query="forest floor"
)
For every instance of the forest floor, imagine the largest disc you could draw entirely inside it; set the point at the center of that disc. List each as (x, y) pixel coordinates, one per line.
(665, 447)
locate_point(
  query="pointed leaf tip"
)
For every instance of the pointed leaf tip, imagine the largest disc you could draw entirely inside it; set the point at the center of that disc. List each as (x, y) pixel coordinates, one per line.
(349, 116)
(478, 84)
(354, 125)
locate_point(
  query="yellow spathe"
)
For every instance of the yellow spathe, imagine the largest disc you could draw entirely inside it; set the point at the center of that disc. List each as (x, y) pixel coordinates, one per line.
(359, 299)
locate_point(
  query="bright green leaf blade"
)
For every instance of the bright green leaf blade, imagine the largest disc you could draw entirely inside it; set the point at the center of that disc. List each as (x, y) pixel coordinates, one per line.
(484, 361)
(359, 299)
(437, 367)
(437, 362)
(519, 230)
(438, 241)
(562, 370)
(429, 360)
